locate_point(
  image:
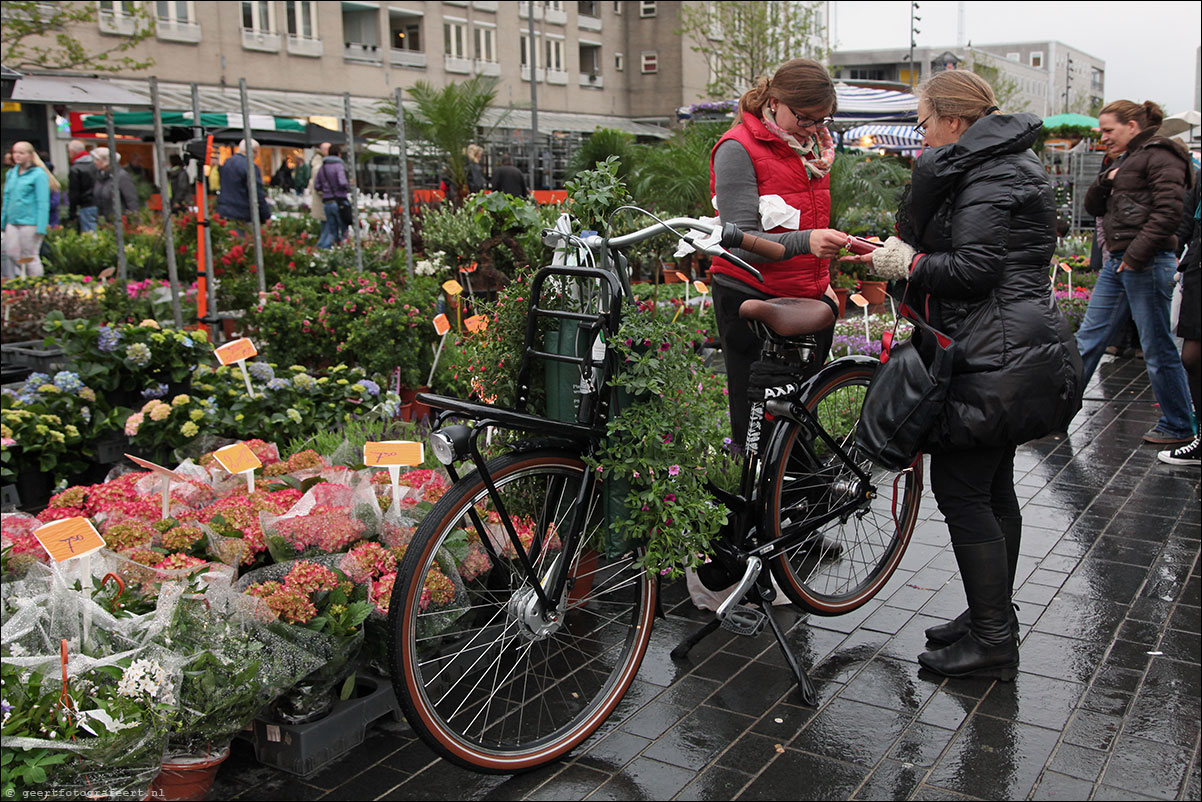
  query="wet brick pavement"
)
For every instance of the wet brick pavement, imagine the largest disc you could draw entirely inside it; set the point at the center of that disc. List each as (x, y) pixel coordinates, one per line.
(1106, 705)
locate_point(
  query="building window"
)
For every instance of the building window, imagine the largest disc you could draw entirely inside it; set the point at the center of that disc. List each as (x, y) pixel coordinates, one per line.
(258, 16)
(453, 39)
(647, 9)
(554, 51)
(405, 33)
(650, 63)
(302, 19)
(1037, 59)
(525, 48)
(588, 8)
(590, 58)
(619, 62)
(860, 74)
(554, 5)
(1014, 56)
(117, 9)
(486, 44)
(618, 7)
(178, 12)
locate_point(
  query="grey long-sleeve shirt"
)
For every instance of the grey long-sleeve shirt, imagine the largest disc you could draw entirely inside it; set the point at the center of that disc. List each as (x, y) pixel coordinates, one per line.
(739, 201)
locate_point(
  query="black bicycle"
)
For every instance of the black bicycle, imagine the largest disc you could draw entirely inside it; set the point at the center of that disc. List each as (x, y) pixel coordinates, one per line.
(517, 625)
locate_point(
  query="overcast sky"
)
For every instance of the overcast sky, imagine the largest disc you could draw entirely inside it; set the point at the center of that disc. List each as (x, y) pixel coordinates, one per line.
(1149, 47)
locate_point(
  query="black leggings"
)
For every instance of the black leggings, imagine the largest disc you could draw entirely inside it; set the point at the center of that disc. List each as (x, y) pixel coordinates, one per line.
(974, 489)
(741, 348)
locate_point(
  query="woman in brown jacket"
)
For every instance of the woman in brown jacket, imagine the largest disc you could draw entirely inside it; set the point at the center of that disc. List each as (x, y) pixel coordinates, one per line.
(1139, 198)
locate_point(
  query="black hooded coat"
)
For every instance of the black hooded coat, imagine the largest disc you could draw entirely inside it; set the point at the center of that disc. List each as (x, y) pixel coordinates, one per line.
(982, 215)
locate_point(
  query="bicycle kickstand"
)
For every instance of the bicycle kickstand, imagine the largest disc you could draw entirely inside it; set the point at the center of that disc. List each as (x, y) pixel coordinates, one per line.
(809, 694)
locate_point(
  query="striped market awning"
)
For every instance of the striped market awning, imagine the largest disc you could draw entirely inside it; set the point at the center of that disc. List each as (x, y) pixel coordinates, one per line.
(892, 137)
(145, 119)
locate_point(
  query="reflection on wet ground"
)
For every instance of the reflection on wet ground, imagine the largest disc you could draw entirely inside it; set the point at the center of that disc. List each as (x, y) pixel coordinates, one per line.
(1106, 706)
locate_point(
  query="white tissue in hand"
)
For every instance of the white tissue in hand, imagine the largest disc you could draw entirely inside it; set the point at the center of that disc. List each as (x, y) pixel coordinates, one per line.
(684, 248)
(775, 213)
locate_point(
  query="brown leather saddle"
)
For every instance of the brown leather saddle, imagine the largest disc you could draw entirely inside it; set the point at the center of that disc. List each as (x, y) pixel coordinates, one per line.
(790, 317)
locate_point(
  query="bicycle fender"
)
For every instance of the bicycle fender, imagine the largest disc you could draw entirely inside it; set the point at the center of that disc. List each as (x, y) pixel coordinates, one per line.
(783, 408)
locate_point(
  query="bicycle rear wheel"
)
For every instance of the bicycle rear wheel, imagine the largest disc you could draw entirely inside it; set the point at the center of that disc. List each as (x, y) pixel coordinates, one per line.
(485, 679)
(849, 559)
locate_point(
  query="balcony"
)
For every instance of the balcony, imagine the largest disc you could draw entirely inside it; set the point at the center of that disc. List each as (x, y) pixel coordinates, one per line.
(487, 67)
(260, 40)
(360, 53)
(304, 46)
(171, 31)
(592, 81)
(588, 23)
(524, 11)
(557, 77)
(460, 65)
(118, 24)
(540, 74)
(557, 16)
(408, 58)
(485, 5)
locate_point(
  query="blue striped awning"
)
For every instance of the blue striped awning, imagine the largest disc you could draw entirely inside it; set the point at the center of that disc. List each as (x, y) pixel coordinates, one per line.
(894, 137)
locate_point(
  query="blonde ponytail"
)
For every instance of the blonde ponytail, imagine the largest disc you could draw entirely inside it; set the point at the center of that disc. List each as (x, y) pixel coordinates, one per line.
(55, 186)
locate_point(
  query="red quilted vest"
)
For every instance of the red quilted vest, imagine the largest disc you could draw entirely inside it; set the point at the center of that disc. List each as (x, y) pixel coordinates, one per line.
(779, 171)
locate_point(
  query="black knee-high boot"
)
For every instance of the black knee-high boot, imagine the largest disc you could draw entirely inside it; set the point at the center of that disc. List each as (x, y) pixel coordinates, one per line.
(989, 648)
(957, 628)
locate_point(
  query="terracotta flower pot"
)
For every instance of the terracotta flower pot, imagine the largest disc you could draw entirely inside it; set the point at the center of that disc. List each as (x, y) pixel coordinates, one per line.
(188, 778)
(873, 291)
(841, 293)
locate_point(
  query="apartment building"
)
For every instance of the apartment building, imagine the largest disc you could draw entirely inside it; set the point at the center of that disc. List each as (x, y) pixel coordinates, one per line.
(618, 63)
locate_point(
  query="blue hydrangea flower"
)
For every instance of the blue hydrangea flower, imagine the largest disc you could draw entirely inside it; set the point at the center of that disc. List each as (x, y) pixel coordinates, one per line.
(278, 384)
(139, 354)
(108, 339)
(67, 381)
(304, 381)
(260, 371)
(373, 389)
(35, 381)
(158, 391)
(188, 342)
(86, 414)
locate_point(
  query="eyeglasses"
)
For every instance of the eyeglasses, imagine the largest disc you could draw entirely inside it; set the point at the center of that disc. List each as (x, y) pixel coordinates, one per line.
(921, 128)
(805, 122)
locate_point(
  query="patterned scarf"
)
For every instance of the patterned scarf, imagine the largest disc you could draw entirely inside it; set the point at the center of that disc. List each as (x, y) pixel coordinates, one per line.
(817, 156)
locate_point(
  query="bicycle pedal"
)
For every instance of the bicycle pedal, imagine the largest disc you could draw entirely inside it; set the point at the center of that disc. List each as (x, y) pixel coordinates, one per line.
(745, 621)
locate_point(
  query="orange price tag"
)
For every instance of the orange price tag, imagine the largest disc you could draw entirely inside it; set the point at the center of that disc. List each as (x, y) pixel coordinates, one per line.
(1064, 266)
(683, 278)
(441, 324)
(452, 287)
(701, 287)
(393, 452)
(469, 269)
(108, 271)
(476, 323)
(858, 300)
(237, 458)
(239, 349)
(159, 469)
(69, 538)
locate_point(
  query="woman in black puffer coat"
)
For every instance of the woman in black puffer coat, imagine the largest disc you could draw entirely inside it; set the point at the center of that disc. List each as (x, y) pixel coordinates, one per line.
(977, 232)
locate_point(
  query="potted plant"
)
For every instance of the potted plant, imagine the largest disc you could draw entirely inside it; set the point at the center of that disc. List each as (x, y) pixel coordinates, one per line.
(844, 283)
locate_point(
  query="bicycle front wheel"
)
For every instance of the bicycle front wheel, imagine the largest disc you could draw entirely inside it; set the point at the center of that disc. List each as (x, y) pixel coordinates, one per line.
(487, 677)
(846, 561)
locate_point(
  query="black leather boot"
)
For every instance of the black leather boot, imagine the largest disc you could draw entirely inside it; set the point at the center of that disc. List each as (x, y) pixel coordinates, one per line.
(952, 631)
(989, 648)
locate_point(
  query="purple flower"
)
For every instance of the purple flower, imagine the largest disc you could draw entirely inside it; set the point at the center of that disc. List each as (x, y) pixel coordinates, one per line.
(108, 339)
(673, 470)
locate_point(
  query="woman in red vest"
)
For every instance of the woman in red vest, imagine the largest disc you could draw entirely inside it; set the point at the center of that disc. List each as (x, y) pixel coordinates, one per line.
(769, 175)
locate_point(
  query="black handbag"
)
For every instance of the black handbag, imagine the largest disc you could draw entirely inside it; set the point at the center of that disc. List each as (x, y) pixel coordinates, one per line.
(906, 395)
(345, 212)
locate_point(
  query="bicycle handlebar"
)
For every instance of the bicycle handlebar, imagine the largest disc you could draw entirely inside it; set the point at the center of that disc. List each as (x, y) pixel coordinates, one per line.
(596, 242)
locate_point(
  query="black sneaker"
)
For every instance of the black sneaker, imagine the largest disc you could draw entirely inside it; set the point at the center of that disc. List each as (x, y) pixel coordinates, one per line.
(1189, 454)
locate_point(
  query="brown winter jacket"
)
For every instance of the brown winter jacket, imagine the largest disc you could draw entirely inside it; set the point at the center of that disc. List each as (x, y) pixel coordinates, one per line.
(1141, 207)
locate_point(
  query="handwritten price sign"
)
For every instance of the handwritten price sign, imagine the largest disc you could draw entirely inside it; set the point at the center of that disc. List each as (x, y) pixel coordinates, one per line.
(701, 287)
(441, 324)
(236, 351)
(452, 287)
(393, 452)
(476, 323)
(159, 469)
(69, 538)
